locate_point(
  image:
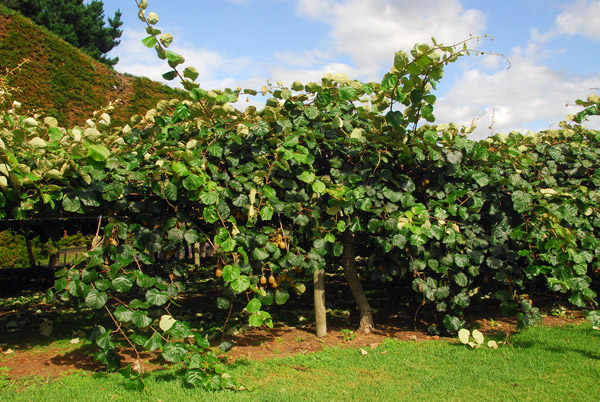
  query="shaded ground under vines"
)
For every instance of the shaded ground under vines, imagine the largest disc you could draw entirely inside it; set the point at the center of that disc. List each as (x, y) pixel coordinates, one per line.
(26, 352)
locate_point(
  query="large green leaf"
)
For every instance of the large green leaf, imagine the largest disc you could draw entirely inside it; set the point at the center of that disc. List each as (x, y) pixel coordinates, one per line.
(122, 284)
(98, 152)
(157, 297)
(231, 273)
(253, 305)
(71, 203)
(281, 296)
(240, 284)
(141, 319)
(174, 352)
(96, 299)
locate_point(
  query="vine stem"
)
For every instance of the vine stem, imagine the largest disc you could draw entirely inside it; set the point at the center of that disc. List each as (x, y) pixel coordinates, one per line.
(159, 44)
(226, 321)
(94, 243)
(120, 329)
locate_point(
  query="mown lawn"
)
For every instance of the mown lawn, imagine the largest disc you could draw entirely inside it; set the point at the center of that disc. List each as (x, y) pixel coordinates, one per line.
(540, 364)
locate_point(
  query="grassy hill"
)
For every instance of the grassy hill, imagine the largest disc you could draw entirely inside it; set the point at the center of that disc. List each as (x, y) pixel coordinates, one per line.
(63, 82)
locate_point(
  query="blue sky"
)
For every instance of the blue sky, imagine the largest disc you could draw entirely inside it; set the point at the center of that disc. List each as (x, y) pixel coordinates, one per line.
(553, 47)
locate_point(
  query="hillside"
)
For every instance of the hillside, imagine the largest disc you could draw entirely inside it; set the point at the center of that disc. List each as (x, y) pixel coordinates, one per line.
(62, 82)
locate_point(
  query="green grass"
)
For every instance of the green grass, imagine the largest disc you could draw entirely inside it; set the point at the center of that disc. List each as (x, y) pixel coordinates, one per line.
(541, 364)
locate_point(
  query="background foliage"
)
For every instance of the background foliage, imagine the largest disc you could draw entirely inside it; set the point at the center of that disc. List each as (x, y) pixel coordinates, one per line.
(65, 83)
(80, 24)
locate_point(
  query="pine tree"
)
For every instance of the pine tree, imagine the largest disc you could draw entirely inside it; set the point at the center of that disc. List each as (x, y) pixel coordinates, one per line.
(82, 25)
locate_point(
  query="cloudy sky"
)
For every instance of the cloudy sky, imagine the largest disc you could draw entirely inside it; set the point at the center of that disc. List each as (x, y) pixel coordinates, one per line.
(553, 47)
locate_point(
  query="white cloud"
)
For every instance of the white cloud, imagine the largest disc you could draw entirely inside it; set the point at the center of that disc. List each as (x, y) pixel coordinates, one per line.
(528, 96)
(370, 32)
(289, 75)
(580, 18)
(215, 70)
(303, 59)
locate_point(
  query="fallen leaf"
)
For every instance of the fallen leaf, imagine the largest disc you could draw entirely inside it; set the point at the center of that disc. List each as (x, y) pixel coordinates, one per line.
(46, 327)
(363, 352)
(374, 345)
(166, 322)
(74, 341)
(464, 335)
(8, 351)
(492, 345)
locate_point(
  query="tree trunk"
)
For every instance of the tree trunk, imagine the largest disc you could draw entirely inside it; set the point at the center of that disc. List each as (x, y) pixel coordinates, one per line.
(197, 254)
(351, 274)
(319, 294)
(54, 260)
(32, 263)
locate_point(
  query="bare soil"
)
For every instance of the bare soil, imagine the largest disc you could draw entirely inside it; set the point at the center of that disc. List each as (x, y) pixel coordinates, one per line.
(51, 361)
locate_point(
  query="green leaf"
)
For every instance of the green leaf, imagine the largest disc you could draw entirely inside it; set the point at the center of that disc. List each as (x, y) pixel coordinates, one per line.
(452, 323)
(461, 279)
(395, 118)
(311, 112)
(393, 196)
(98, 153)
(122, 284)
(281, 296)
(152, 18)
(481, 178)
(461, 260)
(389, 81)
(141, 319)
(521, 200)
(134, 384)
(192, 182)
(174, 352)
(210, 214)
(259, 254)
(123, 314)
(191, 236)
(89, 275)
(165, 39)
(256, 320)
(180, 330)
(338, 249)
(240, 284)
(170, 191)
(222, 303)
(174, 58)
(149, 41)
(191, 73)
(95, 299)
(253, 305)
(201, 341)
(71, 203)
(209, 198)
(266, 213)
(401, 60)
(307, 177)
(135, 303)
(157, 297)
(347, 93)
(154, 342)
(231, 273)
(228, 245)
